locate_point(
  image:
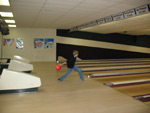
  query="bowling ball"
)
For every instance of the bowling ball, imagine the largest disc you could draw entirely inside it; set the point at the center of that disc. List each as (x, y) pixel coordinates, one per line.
(57, 67)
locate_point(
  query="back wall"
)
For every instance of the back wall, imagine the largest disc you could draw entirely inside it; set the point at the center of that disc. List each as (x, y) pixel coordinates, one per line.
(28, 35)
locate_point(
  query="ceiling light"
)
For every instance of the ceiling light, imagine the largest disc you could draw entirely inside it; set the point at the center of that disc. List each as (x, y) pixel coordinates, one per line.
(6, 14)
(4, 2)
(10, 21)
(11, 25)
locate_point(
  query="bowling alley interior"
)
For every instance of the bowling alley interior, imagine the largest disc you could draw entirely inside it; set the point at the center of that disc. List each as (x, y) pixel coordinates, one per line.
(74, 56)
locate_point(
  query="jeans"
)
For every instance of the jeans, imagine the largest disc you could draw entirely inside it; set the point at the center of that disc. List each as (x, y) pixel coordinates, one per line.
(69, 70)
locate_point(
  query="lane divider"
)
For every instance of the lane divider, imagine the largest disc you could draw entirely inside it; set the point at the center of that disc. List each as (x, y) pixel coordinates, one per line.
(113, 68)
(108, 65)
(143, 98)
(127, 83)
(117, 74)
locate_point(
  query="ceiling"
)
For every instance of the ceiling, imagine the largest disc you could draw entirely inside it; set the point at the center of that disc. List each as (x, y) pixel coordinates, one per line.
(65, 14)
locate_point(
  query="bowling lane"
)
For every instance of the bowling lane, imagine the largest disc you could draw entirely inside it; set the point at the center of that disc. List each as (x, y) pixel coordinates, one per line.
(147, 103)
(134, 90)
(130, 90)
(113, 71)
(114, 66)
(122, 78)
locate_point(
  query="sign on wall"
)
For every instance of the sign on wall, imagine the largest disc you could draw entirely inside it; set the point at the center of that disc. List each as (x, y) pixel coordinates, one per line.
(8, 42)
(49, 43)
(101, 21)
(108, 19)
(43, 42)
(118, 16)
(129, 13)
(19, 43)
(142, 10)
(38, 42)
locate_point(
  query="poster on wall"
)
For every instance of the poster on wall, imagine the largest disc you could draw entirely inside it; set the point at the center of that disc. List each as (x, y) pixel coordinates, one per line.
(49, 43)
(38, 42)
(19, 43)
(8, 42)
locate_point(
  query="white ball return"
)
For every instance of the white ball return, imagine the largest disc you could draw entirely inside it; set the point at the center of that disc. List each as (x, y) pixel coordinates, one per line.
(22, 59)
(20, 66)
(18, 82)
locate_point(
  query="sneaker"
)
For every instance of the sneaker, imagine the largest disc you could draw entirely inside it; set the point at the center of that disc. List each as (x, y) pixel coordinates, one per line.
(60, 80)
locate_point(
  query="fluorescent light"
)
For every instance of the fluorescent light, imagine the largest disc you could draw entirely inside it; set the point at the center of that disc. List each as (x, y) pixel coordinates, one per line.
(4, 2)
(6, 14)
(11, 25)
(10, 21)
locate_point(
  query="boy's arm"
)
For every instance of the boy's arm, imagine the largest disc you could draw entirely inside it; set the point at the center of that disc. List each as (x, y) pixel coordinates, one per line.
(78, 59)
(63, 63)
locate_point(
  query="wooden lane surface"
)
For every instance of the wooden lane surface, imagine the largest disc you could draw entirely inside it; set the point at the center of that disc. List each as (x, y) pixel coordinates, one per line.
(116, 66)
(122, 78)
(135, 90)
(113, 71)
(132, 90)
(108, 65)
